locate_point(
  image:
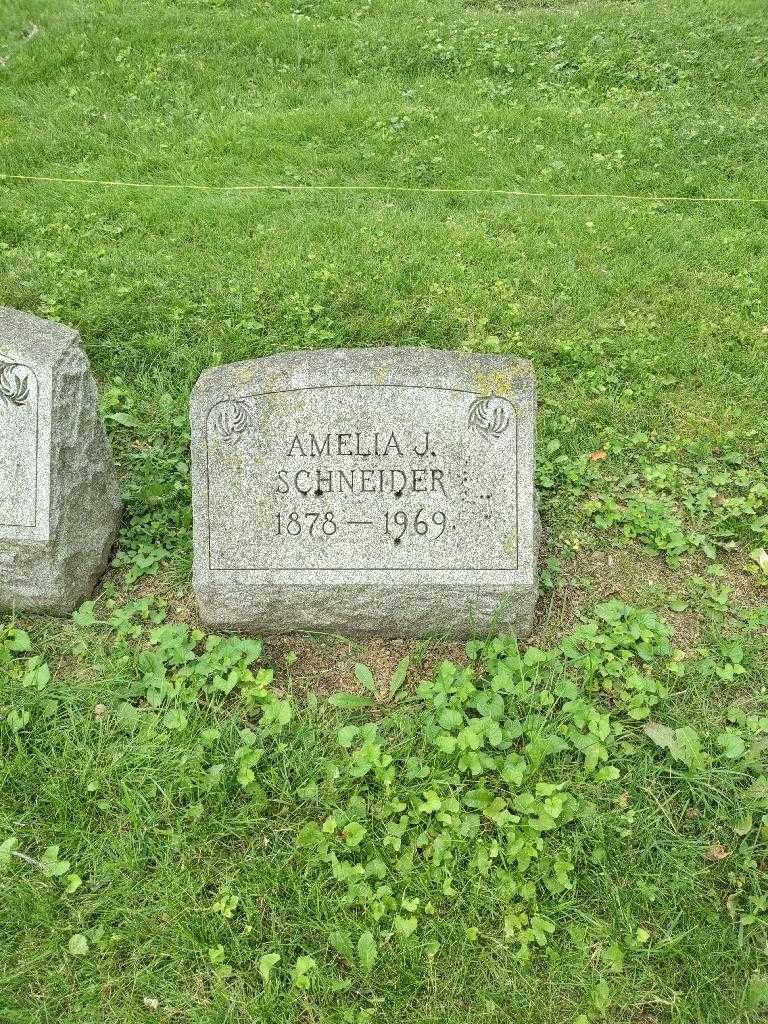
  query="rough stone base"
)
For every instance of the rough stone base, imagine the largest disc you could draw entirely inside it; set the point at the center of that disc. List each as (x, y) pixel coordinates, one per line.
(366, 610)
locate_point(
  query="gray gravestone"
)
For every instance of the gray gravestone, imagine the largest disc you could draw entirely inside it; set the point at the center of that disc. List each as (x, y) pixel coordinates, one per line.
(377, 491)
(59, 504)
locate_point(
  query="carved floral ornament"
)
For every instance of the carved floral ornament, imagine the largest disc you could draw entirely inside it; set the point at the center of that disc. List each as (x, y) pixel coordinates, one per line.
(491, 416)
(230, 420)
(14, 384)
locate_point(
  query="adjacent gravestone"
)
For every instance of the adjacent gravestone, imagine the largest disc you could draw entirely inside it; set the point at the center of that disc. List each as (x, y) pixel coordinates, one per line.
(59, 504)
(381, 491)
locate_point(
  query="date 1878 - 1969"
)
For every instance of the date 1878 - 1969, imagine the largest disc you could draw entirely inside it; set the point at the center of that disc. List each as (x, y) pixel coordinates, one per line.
(397, 525)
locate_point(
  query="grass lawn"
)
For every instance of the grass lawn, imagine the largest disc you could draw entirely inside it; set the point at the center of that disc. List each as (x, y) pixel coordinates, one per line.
(205, 829)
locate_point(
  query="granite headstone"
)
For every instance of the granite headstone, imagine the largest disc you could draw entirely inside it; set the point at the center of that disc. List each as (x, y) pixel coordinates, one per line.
(377, 491)
(59, 503)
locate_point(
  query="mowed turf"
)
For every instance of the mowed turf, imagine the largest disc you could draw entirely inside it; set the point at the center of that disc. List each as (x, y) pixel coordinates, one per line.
(174, 779)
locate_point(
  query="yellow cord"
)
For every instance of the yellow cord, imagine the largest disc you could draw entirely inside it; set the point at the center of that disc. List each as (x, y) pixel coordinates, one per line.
(383, 188)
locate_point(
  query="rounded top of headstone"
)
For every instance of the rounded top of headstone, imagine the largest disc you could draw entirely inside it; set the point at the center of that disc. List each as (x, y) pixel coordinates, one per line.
(25, 336)
(484, 374)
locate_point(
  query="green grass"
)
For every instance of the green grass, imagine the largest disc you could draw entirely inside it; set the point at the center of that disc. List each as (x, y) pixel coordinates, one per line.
(648, 327)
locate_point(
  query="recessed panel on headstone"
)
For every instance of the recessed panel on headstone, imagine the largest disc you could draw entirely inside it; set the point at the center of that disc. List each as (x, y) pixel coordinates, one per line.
(390, 477)
(19, 445)
(59, 506)
(380, 491)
